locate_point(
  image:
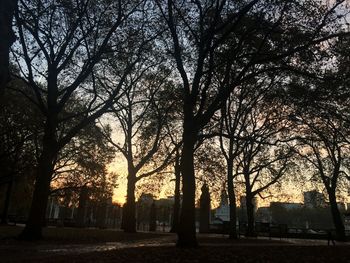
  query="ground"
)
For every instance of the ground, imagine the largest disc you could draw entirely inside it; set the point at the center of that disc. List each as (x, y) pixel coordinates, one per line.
(93, 245)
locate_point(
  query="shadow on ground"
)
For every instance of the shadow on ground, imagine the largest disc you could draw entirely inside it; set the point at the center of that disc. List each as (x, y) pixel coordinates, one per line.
(93, 245)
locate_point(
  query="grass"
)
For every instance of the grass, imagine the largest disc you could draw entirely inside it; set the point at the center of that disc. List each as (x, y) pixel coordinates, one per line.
(78, 235)
(213, 248)
(219, 254)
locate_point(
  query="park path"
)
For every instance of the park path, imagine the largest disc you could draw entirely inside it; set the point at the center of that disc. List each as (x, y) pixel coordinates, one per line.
(169, 240)
(51, 250)
(30, 252)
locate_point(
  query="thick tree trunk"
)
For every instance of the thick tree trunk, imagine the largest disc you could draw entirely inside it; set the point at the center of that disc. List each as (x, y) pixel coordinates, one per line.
(129, 213)
(250, 216)
(337, 220)
(7, 9)
(176, 212)
(7, 202)
(32, 230)
(36, 218)
(187, 226)
(232, 201)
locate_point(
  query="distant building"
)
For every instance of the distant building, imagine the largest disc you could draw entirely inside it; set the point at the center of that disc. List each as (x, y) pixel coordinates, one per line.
(314, 199)
(143, 208)
(165, 208)
(146, 198)
(286, 205)
(163, 211)
(346, 217)
(243, 203)
(53, 208)
(263, 214)
(223, 211)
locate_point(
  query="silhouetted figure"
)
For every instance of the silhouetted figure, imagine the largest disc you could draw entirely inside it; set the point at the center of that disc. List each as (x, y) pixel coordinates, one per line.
(330, 238)
(153, 218)
(204, 210)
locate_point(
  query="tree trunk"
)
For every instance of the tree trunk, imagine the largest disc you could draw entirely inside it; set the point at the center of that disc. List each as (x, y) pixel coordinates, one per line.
(232, 200)
(153, 218)
(36, 218)
(250, 216)
(7, 202)
(187, 225)
(7, 9)
(129, 222)
(337, 220)
(83, 198)
(176, 212)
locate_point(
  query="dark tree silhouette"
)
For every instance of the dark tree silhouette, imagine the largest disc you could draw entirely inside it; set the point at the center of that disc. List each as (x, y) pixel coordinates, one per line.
(216, 46)
(142, 116)
(19, 125)
(177, 194)
(61, 45)
(323, 144)
(320, 104)
(7, 36)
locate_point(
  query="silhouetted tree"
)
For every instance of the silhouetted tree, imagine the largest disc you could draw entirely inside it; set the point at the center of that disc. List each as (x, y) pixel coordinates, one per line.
(7, 36)
(177, 194)
(320, 107)
(251, 35)
(265, 158)
(324, 145)
(20, 129)
(232, 123)
(142, 115)
(61, 45)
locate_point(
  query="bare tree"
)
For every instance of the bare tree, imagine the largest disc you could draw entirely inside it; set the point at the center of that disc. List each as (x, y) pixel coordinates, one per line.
(234, 117)
(319, 107)
(265, 157)
(7, 36)
(216, 46)
(61, 45)
(324, 144)
(142, 116)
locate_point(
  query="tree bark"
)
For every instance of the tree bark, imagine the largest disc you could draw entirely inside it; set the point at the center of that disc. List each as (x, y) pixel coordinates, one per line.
(7, 202)
(337, 220)
(187, 225)
(250, 216)
(7, 9)
(129, 222)
(176, 212)
(36, 219)
(232, 201)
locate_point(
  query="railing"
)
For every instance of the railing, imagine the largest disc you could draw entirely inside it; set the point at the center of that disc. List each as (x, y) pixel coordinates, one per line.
(278, 230)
